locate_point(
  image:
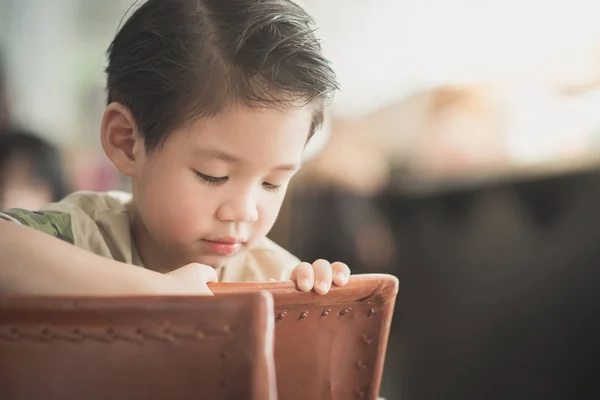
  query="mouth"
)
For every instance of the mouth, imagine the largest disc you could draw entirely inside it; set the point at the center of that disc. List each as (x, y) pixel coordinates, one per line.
(224, 246)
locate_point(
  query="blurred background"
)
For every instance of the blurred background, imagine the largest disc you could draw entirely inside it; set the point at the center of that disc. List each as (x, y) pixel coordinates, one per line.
(462, 155)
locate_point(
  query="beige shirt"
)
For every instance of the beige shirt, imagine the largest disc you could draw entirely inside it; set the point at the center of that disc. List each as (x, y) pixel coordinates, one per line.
(101, 223)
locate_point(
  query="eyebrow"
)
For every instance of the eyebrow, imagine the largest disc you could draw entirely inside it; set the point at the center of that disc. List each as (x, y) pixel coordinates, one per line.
(230, 158)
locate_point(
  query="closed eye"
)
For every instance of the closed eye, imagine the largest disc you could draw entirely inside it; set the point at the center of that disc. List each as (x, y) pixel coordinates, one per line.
(211, 180)
(271, 187)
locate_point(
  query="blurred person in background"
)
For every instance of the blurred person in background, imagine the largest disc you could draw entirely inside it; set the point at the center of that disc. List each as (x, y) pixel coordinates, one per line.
(31, 171)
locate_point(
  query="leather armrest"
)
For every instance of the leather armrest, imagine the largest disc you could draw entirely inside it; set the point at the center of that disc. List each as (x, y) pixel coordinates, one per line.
(331, 346)
(137, 348)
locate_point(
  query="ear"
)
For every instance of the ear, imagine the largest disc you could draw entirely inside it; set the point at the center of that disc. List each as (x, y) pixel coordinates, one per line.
(120, 138)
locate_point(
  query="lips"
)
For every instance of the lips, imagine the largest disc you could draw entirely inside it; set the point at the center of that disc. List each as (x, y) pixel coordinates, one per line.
(224, 246)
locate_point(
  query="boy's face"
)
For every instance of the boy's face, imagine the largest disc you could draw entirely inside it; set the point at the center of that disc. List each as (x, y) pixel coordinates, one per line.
(217, 185)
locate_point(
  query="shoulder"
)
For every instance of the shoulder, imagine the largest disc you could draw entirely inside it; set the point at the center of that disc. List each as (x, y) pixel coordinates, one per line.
(55, 223)
(81, 219)
(91, 204)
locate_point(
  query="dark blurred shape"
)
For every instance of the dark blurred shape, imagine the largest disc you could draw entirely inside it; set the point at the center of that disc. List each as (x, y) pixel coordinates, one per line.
(499, 292)
(31, 171)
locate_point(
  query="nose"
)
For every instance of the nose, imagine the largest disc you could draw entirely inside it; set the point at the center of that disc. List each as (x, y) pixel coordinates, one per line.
(240, 207)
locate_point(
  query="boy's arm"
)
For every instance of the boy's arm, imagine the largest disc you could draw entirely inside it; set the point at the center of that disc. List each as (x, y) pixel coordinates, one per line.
(35, 263)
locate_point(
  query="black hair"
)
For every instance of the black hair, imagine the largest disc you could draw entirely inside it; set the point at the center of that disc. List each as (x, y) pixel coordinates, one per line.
(180, 60)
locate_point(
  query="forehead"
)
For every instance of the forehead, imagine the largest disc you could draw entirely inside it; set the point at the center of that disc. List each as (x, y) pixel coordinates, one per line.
(263, 134)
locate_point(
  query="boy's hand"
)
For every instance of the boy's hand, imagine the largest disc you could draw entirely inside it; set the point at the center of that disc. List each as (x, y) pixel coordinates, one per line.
(191, 279)
(320, 275)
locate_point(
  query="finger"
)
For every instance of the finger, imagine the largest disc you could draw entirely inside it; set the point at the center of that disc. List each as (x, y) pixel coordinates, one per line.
(341, 273)
(304, 276)
(323, 276)
(193, 278)
(196, 272)
(206, 273)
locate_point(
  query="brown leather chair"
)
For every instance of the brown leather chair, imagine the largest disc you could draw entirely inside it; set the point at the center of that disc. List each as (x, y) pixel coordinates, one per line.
(333, 346)
(137, 348)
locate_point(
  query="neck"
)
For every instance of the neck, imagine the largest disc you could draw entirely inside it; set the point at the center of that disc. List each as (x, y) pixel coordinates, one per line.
(151, 254)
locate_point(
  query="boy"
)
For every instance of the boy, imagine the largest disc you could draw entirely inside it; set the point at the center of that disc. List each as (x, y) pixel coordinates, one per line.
(210, 105)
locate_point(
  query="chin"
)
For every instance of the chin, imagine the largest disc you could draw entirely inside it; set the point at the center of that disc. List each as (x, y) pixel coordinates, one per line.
(214, 261)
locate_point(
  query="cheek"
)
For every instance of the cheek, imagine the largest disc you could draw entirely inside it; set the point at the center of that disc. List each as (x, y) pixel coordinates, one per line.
(177, 207)
(268, 211)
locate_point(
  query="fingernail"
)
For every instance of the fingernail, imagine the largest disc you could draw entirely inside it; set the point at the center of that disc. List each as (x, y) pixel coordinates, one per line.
(341, 277)
(323, 286)
(304, 284)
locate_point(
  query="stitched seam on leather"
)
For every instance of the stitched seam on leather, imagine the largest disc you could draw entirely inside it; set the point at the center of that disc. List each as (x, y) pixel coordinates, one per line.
(108, 335)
